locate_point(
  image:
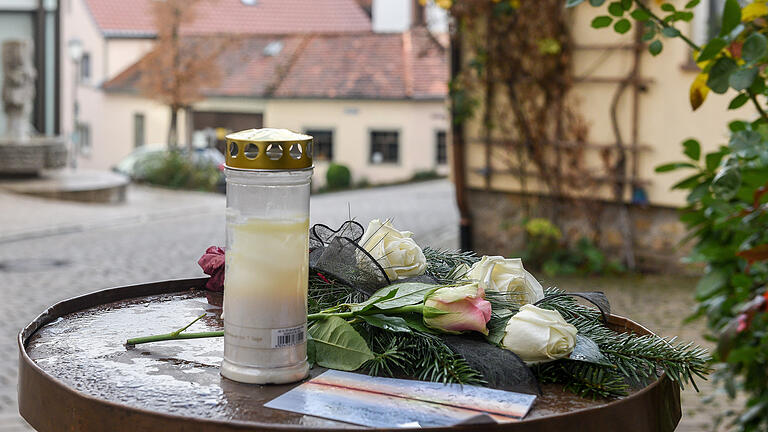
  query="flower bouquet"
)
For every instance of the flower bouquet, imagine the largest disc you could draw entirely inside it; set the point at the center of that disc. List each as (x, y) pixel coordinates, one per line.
(379, 303)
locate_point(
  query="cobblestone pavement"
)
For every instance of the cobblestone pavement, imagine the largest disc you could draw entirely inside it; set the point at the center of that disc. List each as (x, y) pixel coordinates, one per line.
(157, 235)
(160, 234)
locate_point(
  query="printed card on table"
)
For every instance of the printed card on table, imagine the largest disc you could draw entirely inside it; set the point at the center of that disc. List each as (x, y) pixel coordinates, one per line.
(388, 402)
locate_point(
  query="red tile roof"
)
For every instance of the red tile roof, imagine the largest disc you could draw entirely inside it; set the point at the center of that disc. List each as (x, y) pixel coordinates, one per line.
(134, 17)
(411, 65)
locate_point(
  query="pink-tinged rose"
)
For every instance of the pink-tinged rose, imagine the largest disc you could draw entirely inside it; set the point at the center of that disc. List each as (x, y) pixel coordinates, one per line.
(457, 309)
(212, 263)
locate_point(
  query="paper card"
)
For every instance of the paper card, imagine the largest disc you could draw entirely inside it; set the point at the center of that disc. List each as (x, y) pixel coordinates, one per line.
(388, 402)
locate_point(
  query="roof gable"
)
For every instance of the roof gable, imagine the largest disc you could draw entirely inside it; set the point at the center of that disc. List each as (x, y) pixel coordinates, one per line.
(128, 18)
(354, 66)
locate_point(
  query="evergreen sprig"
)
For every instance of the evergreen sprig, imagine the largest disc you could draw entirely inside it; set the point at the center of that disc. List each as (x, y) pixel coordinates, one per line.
(443, 263)
(416, 354)
(585, 379)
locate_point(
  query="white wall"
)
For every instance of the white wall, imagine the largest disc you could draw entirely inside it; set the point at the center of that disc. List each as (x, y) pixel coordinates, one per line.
(352, 122)
(391, 16)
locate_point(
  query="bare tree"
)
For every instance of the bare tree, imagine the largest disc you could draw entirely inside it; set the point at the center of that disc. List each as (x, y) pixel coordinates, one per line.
(179, 68)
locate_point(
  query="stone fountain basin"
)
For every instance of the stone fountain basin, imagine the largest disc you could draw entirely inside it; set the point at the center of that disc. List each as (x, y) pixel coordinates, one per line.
(31, 156)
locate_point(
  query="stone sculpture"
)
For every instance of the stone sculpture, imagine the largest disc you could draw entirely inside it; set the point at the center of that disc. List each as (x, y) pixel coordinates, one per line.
(18, 88)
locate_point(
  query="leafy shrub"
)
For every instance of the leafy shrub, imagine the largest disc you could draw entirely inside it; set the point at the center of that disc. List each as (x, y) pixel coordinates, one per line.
(338, 177)
(178, 171)
(546, 250)
(727, 203)
(425, 175)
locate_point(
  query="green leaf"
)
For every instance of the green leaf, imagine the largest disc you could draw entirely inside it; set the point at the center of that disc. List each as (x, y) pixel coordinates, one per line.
(742, 79)
(602, 21)
(754, 48)
(673, 166)
(649, 34)
(670, 32)
(338, 346)
(731, 16)
(626, 4)
(655, 47)
(692, 4)
(383, 294)
(622, 26)
(615, 9)
(710, 284)
(667, 7)
(688, 182)
(692, 149)
(416, 322)
(745, 143)
(596, 3)
(726, 183)
(408, 293)
(640, 15)
(712, 160)
(572, 3)
(720, 74)
(712, 49)
(389, 323)
(739, 101)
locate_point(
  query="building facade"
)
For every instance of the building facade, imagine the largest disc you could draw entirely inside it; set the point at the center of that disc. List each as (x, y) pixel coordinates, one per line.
(375, 101)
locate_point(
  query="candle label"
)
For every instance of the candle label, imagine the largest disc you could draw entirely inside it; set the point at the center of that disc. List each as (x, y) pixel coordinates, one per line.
(291, 336)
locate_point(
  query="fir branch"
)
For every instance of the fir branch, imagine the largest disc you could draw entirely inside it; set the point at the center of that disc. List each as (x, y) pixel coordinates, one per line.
(639, 357)
(442, 263)
(569, 307)
(584, 379)
(324, 293)
(418, 355)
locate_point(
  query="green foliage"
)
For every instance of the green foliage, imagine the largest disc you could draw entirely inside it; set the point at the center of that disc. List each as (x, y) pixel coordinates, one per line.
(727, 214)
(546, 250)
(336, 345)
(338, 177)
(425, 175)
(727, 202)
(176, 170)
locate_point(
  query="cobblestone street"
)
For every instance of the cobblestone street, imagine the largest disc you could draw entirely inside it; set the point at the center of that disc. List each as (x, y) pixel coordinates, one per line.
(51, 250)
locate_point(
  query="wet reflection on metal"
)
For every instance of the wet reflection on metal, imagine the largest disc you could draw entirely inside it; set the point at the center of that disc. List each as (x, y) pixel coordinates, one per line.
(85, 350)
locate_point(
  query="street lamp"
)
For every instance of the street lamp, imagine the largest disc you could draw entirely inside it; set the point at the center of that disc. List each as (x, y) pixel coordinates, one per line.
(75, 48)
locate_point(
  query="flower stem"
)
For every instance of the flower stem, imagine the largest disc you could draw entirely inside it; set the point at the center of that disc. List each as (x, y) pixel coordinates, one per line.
(172, 336)
(179, 334)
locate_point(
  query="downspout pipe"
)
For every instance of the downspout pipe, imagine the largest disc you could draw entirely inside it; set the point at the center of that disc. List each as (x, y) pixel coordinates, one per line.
(458, 151)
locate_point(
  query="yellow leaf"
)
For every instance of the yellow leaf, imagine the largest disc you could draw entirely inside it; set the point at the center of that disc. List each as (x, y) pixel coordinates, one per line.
(699, 90)
(754, 10)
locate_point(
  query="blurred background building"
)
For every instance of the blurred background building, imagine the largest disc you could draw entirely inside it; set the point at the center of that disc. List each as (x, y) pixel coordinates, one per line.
(367, 79)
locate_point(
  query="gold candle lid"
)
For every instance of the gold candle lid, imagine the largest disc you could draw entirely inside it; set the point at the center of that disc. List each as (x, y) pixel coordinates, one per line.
(269, 149)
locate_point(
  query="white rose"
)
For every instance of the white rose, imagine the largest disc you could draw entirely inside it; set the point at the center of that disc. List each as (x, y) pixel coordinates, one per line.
(539, 335)
(507, 275)
(396, 252)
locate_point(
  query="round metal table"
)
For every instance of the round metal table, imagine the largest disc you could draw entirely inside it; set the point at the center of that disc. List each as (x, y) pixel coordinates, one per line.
(76, 374)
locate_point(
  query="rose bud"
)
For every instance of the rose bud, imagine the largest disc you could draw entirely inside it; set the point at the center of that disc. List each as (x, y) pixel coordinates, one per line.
(457, 308)
(212, 263)
(539, 335)
(396, 252)
(507, 275)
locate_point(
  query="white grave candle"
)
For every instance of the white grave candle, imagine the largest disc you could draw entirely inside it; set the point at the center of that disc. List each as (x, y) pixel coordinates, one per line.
(265, 286)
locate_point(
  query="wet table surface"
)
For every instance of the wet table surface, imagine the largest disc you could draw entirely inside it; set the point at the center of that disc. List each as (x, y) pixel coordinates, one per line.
(85, 350)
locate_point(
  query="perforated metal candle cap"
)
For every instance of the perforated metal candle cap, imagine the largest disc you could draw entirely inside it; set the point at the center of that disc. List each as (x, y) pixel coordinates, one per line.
(269, 149)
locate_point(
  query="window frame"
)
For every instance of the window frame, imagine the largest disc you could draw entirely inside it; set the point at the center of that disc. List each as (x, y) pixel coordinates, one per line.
(139, 141)
(398, 136)
(437, 147)
(332, 131)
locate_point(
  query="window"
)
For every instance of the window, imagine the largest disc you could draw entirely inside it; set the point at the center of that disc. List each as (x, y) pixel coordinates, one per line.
(706, 19)
(85, 67)
(323, 144)
(441, 152)
(384, 147)
(139, 136)
(83, 139)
